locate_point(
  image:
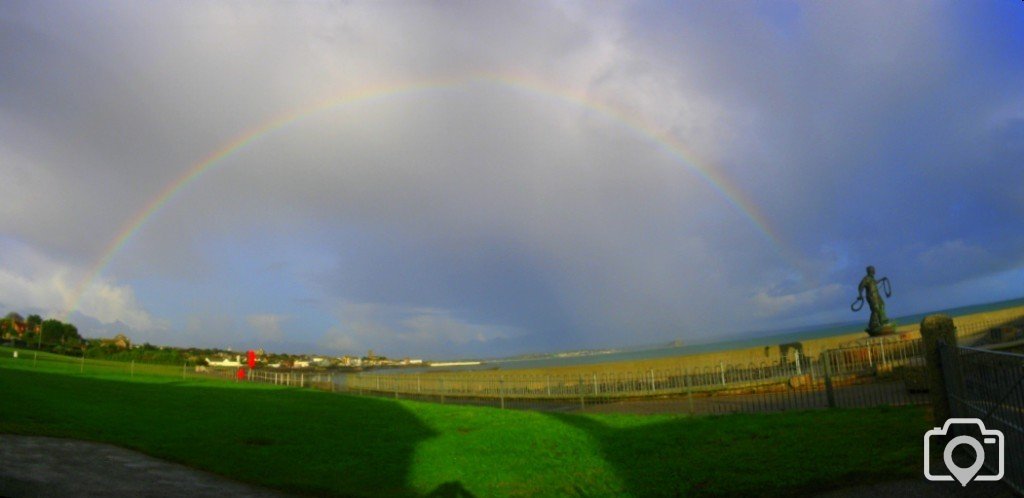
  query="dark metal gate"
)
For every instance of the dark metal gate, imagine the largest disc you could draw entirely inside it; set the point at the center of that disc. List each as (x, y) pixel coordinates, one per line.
(989, 385)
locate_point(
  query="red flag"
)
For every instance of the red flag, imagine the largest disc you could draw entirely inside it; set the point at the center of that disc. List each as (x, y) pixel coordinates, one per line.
(252, 359)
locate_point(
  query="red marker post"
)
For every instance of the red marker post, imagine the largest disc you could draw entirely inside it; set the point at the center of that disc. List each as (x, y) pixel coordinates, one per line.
(252, 358)
(240, 374)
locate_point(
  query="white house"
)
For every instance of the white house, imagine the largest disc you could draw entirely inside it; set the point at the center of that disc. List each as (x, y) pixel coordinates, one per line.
(237, 362)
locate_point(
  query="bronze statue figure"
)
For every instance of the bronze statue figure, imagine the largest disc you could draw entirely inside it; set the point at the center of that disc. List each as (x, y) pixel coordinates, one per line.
(879, 323)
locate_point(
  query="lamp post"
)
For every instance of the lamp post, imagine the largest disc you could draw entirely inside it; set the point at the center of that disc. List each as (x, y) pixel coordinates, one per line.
(38, 346)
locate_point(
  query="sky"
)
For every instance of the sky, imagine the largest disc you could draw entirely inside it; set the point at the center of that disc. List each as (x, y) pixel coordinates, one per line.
(467, 179)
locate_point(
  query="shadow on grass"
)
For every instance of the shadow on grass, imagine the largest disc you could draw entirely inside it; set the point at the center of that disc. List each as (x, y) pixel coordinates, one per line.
(298, 441)
(757, 455)
(452, 489)
(638, 455)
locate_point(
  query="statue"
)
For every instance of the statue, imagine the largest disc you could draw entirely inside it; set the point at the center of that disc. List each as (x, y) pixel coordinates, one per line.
(879, 323)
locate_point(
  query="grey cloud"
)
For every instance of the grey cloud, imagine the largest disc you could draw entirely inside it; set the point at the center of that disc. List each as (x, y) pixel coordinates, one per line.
(865, 133)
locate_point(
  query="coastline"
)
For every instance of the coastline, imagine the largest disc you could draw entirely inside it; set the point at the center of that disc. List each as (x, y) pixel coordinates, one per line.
(971, 327)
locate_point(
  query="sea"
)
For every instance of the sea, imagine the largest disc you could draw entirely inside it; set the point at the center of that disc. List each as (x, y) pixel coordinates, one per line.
(742, 341)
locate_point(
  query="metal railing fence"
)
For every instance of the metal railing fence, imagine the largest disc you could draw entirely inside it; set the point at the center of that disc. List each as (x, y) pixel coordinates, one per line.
(989, 385)
(873, 374)
(870, 372)
(879, 357)
(974, 331)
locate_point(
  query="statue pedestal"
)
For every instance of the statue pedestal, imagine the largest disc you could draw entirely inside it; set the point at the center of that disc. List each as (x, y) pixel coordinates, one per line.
(888, 329)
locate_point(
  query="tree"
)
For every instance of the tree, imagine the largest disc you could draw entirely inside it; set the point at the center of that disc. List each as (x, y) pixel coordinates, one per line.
(33, 320)
(7, 324)
(70, 332)
(74, 343)
(53, 331)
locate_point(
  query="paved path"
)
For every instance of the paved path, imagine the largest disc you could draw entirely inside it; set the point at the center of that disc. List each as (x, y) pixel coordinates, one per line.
(44, 466)
(923, 488)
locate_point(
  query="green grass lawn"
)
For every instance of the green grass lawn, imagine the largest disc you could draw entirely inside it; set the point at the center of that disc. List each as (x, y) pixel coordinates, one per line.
(320, 443)
(93, 367)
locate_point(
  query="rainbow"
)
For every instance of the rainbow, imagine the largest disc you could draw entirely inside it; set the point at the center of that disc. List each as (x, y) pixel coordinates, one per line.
(729, 192)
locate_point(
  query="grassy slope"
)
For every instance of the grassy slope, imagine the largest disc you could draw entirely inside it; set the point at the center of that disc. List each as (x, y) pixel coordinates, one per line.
(321, 443)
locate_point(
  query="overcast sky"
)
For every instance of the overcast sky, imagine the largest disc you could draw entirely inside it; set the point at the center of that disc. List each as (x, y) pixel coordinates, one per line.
(504, 177)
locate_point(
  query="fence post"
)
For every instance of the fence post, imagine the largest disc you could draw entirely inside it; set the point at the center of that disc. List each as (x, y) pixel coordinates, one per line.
(689, 390)
(583, 404)
(829, 392)
(721, 369)
(652, 380)
(547, 383)
(938, 332)
(501, 391)
(796, 356)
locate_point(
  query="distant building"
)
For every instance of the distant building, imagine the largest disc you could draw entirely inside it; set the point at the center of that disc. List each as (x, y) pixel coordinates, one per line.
(18, 329)
(119, 341)
(227, 362)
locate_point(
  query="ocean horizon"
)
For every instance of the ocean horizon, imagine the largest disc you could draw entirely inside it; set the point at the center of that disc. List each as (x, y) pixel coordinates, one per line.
(743, 341)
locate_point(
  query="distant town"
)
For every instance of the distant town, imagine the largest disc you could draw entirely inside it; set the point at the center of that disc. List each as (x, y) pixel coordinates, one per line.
(228, 358)
(33, 332)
